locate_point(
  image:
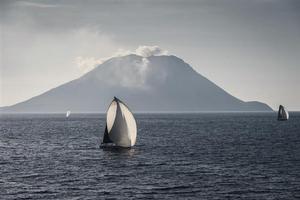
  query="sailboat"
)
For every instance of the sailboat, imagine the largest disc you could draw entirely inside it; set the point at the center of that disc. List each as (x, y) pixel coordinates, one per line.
(68, 113)
(121, 129)
(282, 114)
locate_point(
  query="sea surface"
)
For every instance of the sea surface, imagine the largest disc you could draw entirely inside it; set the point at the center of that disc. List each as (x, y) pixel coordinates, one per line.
(177, 156)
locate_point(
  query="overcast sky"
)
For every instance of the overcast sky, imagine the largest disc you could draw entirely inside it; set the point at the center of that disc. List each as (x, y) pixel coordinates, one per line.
(249, 48)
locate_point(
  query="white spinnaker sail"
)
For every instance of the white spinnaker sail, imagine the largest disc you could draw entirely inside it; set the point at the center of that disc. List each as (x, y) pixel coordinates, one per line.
(68, 113)
(121, 125)
(286, 113)
(111, 115)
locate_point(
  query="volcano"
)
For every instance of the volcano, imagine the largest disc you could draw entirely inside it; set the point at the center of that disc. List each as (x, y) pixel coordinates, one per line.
(146, 84)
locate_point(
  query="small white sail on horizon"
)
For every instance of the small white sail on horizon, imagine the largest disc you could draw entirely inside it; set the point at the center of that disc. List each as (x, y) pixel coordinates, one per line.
(121, 128)
(68, 113)
(282, 113)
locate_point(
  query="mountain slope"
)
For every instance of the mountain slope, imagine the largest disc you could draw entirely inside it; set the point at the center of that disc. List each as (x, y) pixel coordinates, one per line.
(155, 83)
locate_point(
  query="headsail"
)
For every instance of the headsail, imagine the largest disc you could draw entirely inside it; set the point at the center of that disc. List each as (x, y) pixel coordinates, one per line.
(106, 138)
(120, 124)
(286, 113)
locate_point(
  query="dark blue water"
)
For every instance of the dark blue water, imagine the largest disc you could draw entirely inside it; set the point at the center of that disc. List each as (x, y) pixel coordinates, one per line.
(177, 156)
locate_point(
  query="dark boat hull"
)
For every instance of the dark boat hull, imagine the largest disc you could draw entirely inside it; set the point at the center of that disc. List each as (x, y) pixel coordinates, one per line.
(112, 146)
(282, 119)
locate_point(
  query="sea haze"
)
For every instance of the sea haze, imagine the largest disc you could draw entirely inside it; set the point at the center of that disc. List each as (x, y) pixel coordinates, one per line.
(193, 156)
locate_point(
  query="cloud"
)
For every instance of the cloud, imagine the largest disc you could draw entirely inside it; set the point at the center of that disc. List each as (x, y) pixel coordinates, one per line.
(147, 51)
(36, 4)
(144, 51)
(86, 64)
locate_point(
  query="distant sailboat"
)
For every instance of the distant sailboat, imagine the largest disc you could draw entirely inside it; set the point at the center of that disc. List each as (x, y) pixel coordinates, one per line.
(120, 127)
(282, 114)
(68, 113)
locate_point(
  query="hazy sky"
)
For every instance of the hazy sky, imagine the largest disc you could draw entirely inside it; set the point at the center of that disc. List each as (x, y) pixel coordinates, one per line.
(249, 48)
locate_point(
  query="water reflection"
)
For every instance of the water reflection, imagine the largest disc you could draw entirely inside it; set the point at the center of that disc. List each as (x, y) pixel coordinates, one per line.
(113, 151)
